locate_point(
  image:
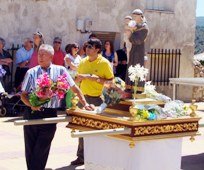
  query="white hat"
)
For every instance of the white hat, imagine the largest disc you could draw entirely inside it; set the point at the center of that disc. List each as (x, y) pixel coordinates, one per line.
(137, 12)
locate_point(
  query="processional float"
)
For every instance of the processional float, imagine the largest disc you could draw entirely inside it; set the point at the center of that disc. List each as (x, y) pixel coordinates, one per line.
(115, 140)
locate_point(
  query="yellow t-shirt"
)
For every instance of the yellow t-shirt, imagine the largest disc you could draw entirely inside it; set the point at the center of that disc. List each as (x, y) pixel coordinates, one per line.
(100, 67)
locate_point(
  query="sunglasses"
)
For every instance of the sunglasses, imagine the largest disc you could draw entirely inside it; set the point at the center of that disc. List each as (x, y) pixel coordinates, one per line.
(89, 46)
(57, 42)
(75, 47)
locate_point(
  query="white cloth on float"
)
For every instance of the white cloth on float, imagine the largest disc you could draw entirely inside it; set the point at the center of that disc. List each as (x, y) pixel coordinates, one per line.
(105, 153)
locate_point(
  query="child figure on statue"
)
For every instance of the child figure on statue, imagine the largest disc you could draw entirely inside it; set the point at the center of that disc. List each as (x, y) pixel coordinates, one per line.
(130, 25)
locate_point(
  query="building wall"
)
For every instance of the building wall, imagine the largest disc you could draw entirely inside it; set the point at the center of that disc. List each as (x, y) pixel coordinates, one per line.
(171, 29)
(20, 18)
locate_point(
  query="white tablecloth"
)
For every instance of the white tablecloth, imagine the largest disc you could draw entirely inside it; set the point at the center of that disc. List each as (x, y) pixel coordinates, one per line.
(105, 153)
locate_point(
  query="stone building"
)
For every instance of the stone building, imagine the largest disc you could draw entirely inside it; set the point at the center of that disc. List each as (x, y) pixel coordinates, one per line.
(171, 23)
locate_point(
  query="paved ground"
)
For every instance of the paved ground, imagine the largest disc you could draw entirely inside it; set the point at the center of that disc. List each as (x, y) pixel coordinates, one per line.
(64, 147)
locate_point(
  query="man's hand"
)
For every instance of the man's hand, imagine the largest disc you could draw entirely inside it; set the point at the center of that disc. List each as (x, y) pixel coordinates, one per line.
(80, 77)
(38, 108)
(6, 61)
(89, 107)
(24, 64)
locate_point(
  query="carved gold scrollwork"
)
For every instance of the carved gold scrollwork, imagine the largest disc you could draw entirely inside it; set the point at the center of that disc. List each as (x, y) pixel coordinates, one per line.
(88, 122)
(162, 129)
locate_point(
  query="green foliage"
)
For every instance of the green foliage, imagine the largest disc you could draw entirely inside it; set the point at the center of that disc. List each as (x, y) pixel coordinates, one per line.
(200, 21)
(34, 100)
(199, 40)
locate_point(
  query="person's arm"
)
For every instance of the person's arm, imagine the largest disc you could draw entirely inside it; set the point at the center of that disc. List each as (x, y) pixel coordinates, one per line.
(91, 77)
(25, 100)
(82, 99)
(115, 63)
(26, 88)
(5, 61)
(138, 37)
(76, 90)
(23, 64)
(70, 64)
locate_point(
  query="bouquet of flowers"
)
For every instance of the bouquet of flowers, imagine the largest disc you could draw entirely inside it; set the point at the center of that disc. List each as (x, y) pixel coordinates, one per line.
(150, 91)
(113, 93)
(46, 89)
(2, 71)
(61, 86)
(172, 109)
(137, 73)
(132, 24)
(198, 60)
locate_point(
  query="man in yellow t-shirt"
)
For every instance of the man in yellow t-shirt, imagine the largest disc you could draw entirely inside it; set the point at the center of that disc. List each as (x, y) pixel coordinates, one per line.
(93, 71)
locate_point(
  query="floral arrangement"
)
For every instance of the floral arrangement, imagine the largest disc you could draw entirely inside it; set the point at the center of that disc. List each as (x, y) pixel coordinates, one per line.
(137, 73)
(132, 24)
(46, 89)
(172, 109)
(198, 60)
(113, 93)
(150, 91)
(62, 86)
(2, 71)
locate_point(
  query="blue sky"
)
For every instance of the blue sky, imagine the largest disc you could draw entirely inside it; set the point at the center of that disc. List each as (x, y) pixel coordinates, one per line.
(200, 8)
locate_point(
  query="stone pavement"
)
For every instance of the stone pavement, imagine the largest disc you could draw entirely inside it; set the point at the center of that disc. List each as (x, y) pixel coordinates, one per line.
(63, 149)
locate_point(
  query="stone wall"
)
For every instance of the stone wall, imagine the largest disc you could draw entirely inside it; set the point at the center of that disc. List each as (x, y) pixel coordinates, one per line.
(168, 29)
(20, 18)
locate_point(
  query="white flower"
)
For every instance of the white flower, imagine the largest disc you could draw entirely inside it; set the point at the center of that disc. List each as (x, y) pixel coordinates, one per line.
(198, 58)
(132, 24)
(174, 108)
(137, 72)
(148, 88)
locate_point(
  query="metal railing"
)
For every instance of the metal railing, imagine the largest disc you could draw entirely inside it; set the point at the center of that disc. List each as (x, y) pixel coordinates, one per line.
(164, 64)
(12, 51)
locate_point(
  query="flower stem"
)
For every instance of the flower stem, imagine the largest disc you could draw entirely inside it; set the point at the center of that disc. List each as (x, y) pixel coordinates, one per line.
(135, 90)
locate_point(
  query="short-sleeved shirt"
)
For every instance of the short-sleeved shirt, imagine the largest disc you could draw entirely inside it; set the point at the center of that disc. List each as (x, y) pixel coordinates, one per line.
(58, 58)
(29, 84)
(23, 55)
(76, 60)
(100, 67)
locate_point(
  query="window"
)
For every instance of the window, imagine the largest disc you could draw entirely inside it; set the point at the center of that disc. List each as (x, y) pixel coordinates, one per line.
(160, 5)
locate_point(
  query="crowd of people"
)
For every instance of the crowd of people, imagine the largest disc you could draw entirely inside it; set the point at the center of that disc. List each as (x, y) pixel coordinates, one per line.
(88, 66)
(70, 57)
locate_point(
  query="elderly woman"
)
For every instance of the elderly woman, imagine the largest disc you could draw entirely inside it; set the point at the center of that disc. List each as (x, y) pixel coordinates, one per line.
(5, 59)
(137, 37)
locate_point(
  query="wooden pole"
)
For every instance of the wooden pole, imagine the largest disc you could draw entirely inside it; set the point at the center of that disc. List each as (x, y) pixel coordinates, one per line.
(101, 132)
(42, 121)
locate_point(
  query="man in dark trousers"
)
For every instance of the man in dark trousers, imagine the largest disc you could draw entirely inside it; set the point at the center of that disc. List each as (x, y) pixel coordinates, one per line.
(38, 138)
(93, 71)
